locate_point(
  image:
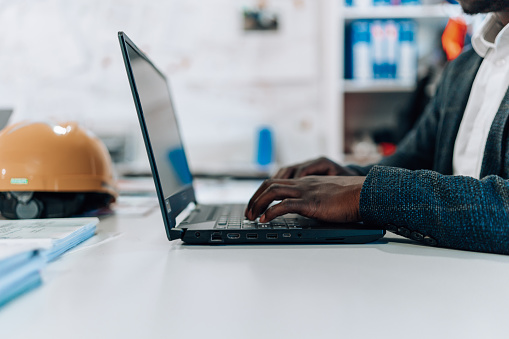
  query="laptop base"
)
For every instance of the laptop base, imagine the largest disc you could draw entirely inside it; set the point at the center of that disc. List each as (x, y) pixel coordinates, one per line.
(303, 236)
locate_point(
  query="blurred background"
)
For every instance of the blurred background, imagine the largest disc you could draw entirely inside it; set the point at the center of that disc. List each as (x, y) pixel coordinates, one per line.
(340, 78)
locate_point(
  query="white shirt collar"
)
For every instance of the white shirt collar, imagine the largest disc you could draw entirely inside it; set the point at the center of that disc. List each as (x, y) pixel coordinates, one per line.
(491, 35)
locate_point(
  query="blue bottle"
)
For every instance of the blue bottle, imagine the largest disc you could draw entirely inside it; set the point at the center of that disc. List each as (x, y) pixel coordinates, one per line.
(265, 147)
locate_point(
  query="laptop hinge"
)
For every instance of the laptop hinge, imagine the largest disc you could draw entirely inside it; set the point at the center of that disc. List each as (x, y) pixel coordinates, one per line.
(176, 233)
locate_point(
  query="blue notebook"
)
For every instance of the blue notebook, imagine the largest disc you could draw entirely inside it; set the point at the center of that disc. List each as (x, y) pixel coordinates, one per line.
(20, 267)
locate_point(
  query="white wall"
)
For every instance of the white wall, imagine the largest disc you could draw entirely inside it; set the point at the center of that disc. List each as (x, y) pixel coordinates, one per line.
(60, 59)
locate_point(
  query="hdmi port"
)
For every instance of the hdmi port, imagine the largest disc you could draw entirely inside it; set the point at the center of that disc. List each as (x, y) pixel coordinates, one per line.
(271, 235)
(251, 236)
(233, 235)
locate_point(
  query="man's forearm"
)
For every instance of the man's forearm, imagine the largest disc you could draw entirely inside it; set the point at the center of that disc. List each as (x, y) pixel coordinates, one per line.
(455, 211)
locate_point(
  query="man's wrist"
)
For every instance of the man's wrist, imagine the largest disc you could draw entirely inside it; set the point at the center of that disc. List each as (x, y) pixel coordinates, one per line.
(357, 189)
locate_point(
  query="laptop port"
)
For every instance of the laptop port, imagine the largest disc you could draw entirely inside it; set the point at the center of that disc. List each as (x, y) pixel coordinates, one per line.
(271, 235)
(287, 235)
(233, 235)
(251, 236)
(216, 236)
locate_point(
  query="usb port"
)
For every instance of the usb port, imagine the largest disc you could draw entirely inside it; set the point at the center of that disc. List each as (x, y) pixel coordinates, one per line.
(251, 236)
(287, 235)
(216, 236)
(233, 235)
(271, 235)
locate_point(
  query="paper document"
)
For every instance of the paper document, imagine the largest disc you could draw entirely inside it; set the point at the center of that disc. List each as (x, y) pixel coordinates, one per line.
(27, 245)
(26, 284)
(55, 236)
(20, 267)
(135, 205)
(10, 249)
(12, 255)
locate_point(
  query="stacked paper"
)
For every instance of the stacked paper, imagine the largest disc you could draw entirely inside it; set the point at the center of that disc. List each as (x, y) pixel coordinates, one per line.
(368, 3)
(27, 245)
(55, 236)
(20, 267)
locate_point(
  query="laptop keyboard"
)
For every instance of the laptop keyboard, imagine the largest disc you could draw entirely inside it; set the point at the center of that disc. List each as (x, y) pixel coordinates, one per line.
(232, 217)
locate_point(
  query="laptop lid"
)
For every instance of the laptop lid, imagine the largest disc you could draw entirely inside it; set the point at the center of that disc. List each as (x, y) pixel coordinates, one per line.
(156, 114)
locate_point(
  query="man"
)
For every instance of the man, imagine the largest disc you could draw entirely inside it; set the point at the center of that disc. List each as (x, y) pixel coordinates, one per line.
(448, 182)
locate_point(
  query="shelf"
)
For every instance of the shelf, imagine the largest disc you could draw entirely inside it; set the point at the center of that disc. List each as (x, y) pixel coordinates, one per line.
(399, 12)
(365, 105)
(377, 86)
(361, 160)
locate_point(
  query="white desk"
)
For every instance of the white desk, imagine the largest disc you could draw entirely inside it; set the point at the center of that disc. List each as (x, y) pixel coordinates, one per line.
(130, 282)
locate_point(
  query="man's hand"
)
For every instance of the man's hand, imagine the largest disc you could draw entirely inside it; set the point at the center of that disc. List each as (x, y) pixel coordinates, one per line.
(331, 199)
(320, 166)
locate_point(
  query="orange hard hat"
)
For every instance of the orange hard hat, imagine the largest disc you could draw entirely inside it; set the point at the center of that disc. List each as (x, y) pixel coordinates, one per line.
(53, 164)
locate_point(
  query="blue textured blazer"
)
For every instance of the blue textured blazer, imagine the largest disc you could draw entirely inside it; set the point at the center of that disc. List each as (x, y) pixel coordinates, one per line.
(413, 192)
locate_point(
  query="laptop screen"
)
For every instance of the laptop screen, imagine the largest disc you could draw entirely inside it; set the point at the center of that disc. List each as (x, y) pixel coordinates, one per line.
(161, 124)
(151, 94)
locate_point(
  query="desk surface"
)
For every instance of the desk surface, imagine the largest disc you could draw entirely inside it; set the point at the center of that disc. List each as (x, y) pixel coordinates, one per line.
(130, 282)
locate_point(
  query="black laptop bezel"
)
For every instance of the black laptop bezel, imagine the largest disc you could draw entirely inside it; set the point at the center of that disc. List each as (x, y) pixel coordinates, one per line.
(173, 205)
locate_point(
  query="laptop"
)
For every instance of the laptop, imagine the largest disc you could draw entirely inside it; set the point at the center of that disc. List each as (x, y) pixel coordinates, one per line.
(207, 224)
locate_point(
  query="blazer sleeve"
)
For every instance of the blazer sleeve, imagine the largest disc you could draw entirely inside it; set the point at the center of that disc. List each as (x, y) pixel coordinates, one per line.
(449, 211)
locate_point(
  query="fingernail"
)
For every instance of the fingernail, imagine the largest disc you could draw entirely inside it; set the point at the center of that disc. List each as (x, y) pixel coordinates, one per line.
(262, 218)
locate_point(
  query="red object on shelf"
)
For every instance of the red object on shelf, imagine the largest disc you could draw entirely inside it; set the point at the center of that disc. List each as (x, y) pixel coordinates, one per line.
(453, 38)
(386, 148)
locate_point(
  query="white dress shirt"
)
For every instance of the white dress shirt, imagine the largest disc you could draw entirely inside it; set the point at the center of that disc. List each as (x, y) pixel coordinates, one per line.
(488, 90)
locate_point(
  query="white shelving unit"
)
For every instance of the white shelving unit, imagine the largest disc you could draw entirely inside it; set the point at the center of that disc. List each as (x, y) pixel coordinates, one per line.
(331, 61)
(439, 11)
(428, 16)
(377, 86)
